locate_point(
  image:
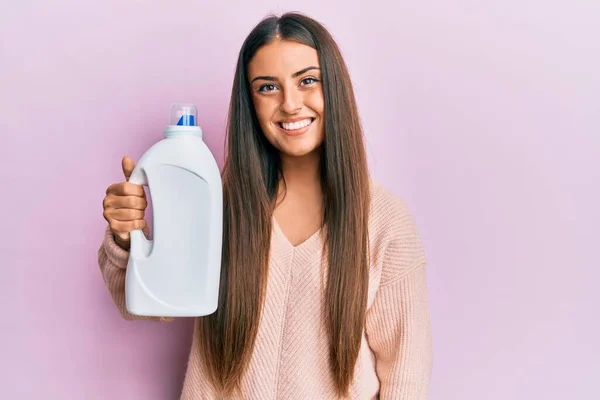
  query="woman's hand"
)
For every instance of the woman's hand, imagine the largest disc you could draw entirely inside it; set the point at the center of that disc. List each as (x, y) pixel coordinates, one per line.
(125, 206)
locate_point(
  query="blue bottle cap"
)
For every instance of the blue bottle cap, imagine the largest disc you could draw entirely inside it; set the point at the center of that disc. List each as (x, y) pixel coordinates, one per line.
(183, 114)
(183, 119)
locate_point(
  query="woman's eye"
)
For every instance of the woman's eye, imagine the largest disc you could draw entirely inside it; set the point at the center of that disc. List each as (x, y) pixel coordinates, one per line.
(308, 81)
(266, 88)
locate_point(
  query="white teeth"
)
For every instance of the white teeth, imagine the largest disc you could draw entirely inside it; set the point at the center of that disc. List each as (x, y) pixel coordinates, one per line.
(295, 125)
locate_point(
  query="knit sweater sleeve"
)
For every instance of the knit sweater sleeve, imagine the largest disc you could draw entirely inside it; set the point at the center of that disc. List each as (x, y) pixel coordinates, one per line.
(397, 325)
(112, 261)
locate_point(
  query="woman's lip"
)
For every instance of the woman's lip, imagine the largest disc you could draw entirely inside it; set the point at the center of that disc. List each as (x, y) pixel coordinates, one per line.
(292, 120)
(295, 132)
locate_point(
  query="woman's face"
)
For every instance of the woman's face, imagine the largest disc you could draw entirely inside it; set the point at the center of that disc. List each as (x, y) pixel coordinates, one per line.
(285, 81)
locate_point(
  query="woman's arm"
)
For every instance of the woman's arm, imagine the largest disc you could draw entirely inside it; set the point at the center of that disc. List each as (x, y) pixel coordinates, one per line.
(398, 331)
(397, 322)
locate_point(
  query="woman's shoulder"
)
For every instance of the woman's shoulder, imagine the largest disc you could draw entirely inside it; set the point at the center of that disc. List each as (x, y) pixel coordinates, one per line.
(389, 211)
(393, 233)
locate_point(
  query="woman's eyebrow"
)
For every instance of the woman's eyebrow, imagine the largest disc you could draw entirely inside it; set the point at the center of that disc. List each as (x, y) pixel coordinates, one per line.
(294, 75)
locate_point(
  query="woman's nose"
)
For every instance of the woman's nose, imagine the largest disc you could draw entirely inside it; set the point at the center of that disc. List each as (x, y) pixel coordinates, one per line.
(292, 101)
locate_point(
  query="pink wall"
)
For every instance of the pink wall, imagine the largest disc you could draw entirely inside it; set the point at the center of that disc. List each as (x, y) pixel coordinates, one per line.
(485, 118)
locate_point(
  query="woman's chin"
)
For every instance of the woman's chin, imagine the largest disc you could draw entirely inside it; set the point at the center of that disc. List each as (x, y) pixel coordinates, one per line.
(297, 150)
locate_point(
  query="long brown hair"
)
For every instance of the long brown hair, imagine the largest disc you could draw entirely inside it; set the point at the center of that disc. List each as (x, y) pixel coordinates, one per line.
(251, 176)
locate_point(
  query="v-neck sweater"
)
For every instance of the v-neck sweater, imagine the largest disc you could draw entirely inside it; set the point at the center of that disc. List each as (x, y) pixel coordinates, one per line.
(290, 359)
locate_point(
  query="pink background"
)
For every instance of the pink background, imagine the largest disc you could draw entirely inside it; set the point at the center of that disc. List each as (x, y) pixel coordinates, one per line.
(484, 116)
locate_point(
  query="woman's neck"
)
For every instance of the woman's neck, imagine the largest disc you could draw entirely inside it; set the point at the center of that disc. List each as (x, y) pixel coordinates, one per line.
(299, 207)
(301, 171)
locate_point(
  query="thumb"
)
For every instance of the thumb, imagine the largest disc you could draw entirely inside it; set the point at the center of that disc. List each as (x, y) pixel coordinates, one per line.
(128, 165)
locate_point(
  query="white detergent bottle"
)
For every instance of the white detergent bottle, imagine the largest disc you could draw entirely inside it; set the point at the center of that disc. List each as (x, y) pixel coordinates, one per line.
(177, 273)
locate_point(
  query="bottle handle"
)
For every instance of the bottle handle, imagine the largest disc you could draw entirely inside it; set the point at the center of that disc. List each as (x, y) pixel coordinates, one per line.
(140, 247)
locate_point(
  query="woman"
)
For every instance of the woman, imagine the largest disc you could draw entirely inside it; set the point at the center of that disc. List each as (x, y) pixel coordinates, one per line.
(323, 290)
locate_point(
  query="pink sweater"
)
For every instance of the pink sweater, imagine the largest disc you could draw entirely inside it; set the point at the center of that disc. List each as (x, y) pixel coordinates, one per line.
(290, 359)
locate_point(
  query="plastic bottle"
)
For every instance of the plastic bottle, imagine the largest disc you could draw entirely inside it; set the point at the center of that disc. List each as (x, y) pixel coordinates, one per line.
(177, 273)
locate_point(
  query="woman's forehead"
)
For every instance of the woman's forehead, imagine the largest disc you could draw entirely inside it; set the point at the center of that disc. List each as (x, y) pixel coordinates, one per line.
(282, 57)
